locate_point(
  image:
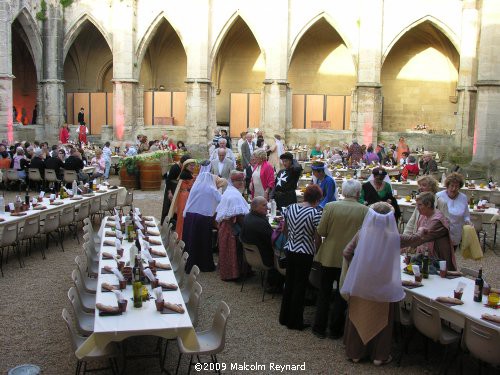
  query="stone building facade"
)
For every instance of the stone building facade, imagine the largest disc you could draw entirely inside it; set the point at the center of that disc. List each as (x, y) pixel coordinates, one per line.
(375, 68)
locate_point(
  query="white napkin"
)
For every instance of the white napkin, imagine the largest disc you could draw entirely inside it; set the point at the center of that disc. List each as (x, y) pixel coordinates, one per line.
(119, 295)
(147, 254)
(149, 274)
(158, 293)
(118, 274)
(416, 270)
(52, 196)
(137, 211)
(117, 221)
(118, 233)
(34, 201)
(145, 244)
(460, 286)
(118, 244)
(139, 225)
(42, 194)
(442, 265)
(11, 207)
(140, 234)
(132, 253)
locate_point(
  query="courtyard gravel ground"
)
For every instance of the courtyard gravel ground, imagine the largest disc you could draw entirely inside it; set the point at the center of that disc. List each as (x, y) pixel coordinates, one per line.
(32, 330)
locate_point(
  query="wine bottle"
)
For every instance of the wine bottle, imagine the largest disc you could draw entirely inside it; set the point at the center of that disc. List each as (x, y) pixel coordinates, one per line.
(471, 201)
(478, 287)
(137, 287)
(425, 265)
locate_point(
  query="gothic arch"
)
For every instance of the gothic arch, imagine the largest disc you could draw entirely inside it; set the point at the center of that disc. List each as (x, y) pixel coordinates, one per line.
(150, 33)
(222, 36)
(75, 30)
(101, 74)
(443, 28)
(308, 25)
(34, 38)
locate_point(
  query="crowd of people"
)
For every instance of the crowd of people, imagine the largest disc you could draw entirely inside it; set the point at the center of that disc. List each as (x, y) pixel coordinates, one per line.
(355, 240)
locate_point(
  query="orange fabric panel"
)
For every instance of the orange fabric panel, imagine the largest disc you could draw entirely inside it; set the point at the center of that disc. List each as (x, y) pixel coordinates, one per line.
(179, 107)
(298, 111)
(148, 108)
(81, 99)
(111, 120)
(69, 107)
(335, 111)
(347, 112)
(238, 114)
(253, 111)
(314, 109)
(98, 106)
(162, 102)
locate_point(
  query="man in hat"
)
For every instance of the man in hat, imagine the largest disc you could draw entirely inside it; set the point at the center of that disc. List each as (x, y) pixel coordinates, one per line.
(325, 182)
(286, 181)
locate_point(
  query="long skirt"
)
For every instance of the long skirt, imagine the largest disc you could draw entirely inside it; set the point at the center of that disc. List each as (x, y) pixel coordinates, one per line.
(229, 264)
(197, 235)
(378, 348)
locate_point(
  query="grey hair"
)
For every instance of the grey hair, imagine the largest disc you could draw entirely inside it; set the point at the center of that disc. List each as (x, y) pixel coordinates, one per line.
(382, 208)
(260, 154)
(427, 199)
(351, 188)
(223, 140)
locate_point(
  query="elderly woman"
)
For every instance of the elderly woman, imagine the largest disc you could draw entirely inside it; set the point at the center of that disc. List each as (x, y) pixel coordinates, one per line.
(373, 286)
(433, 233)
(184, 185)
(458, 208)
(428, 165)
(275, 151)
(20, 163)
(262, 176)
(425, 184)
(99, 163)
(316, 152)
(370, 156)
(378, 189)
(301, 221)
(230, 214)
(198, 222)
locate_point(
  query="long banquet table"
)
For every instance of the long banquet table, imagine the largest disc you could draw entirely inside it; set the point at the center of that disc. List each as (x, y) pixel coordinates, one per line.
(135, 321)
(435, 286)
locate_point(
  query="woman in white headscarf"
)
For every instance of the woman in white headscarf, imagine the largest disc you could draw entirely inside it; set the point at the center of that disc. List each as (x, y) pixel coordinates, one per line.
(276, 150)
(373, 286)
(198, 222)
(230, 213)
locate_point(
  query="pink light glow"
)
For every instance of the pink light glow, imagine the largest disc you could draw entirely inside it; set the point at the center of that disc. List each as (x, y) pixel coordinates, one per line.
(367, 132)
(474, 143)
(10, 128)
(119, 111)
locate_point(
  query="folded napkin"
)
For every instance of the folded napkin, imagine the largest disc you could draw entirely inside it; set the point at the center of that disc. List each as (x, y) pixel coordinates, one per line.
(495, 290)
(76, 198)
(150, 224)
(57, 203)
(18, 214)
(107, 309)
(167, 286)
(148, 218)
(163, 266)
(108, 286)
(491, 318)
(110, 224)
(153, 232)
(411, 283)
(110, 234)
(172, 306)
(454, 273)
(40, 207)
(154, 242)
(109, 243)
(158, 252)
(88, 194)
(450, 300)
(106, 255)
(1, 220)
(108, 269)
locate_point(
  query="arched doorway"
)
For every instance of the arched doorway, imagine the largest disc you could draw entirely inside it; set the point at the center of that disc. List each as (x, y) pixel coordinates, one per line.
(419, 80)
(88, 70)
(163, 72)
(322, 77)
(24, 86)
(238, 74)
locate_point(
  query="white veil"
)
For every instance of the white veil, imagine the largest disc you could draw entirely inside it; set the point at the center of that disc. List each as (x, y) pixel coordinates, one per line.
(231, 204)
(374, 273)
(204, 196)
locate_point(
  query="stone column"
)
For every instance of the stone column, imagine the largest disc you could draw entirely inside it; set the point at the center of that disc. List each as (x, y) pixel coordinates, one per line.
(274, 107)
(487, 131)
(367, 121)
(124, 81)
(466, 90)
(198, 111)
(52, 85)
(6, 77)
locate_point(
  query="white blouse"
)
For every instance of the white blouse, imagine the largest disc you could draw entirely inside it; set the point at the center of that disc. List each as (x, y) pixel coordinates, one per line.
(458, 214)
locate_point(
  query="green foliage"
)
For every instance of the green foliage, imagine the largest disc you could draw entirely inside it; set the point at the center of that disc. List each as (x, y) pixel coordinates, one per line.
(458, 157)
(130, 164)
(42, 14)
(66, 3)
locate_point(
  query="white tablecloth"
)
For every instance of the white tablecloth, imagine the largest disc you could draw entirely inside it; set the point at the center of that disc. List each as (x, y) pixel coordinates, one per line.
(135, 321)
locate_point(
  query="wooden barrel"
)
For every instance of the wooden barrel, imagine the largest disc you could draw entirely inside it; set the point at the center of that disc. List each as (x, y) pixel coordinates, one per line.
(127, 180)
(150, 175)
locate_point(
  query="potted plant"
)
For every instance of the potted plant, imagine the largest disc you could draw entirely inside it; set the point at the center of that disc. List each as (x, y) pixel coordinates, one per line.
(129, 172)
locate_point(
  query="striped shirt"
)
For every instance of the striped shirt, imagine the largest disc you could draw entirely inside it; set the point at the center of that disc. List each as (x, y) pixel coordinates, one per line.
(301, 223)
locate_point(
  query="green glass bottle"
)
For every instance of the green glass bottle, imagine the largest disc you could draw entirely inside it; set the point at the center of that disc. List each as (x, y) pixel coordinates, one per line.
(425, 265)
(137, 287)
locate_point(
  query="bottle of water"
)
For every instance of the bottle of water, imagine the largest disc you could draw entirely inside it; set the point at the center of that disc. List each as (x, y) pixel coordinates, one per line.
(273, 208)
(2, 205)
(74, 187)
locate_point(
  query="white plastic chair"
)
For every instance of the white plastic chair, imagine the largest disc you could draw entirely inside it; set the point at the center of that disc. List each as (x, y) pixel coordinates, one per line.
(66, 219)
(95, 206)
(69, 176)
(89, 284)
(29, 232)
(50, 225)
(253, 258)
(80, 215)
(84, 321)
(482, 342)
(87, 299)
(110, 352)
(191, 279)
(9, 238)
(180, 273)
(209, 342)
